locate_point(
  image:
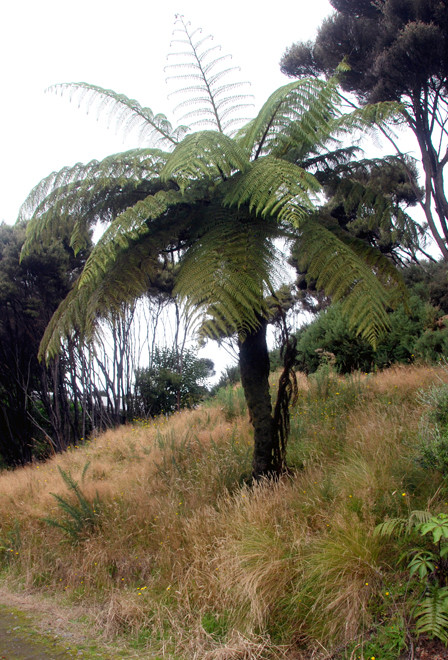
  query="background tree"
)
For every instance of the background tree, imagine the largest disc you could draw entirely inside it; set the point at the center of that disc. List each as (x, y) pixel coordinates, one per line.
(367, 200)
(218, 203)
(167, 386)
(396, 50)
(35, 413)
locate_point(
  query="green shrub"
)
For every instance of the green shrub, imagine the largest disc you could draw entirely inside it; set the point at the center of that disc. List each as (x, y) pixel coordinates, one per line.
(407, 338)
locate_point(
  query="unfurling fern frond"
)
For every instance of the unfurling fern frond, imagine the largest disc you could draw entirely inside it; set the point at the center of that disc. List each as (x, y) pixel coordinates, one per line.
(125, 114)
(213, 103)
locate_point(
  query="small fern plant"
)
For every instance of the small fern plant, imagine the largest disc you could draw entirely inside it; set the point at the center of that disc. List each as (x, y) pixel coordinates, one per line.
(429, 566)
(80, 517)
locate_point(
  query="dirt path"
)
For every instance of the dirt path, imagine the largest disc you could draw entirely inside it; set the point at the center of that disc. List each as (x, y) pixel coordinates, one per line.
(36, 628)
(17, 643)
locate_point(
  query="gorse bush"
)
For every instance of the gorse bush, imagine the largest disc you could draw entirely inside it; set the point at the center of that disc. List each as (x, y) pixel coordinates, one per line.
(413, 333)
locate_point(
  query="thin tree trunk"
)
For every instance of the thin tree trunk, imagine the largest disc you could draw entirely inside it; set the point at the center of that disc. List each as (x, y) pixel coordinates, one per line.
(254, 367)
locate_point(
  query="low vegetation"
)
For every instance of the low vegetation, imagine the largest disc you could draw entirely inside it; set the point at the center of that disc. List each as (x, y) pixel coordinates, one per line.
(153, 533)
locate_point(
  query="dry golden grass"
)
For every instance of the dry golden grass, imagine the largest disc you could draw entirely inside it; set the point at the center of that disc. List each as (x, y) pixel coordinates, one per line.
(191, 563)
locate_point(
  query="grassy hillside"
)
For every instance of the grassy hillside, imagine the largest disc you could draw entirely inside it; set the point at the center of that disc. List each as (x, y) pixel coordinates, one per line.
(152, 536)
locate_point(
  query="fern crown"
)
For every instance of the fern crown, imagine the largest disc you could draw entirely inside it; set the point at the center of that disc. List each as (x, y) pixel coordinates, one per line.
(216, 198)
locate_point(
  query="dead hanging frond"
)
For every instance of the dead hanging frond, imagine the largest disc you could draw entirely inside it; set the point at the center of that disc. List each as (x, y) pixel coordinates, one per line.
(211, 97)
(287, 392)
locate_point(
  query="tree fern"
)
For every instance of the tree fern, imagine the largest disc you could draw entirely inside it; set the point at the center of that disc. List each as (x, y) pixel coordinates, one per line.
(219, 203)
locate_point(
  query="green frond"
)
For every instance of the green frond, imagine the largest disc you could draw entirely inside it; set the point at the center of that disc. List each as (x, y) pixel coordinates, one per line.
(205, 154)
(136, 270)
(273, 186)
(130, 226)
(295, 115)
(325, 161)
(367, 117)
(432, 614)
(382, 268)
(126, 114)
(227, 269)
(69, 316)
(391, 527)
(88, 193)
(344, 275)
(202, 62)
(399, 526)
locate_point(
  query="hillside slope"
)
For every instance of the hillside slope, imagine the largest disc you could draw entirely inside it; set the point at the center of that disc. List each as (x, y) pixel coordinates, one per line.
(152, 536)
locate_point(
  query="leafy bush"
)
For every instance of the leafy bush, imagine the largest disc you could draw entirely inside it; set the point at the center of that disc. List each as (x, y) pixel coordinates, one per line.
(407, 338)
(173, 381)
(433, 448)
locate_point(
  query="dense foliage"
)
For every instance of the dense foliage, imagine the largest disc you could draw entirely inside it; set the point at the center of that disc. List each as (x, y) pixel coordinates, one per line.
(172, 382)
(395, 50)
(418, 329)
(35, 415)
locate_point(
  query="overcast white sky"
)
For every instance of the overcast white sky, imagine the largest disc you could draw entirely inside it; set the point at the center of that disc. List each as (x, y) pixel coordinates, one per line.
(120, 45)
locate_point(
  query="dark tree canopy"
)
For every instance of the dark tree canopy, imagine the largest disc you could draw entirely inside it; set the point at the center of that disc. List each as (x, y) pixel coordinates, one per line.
(395, 50)
(33, 397)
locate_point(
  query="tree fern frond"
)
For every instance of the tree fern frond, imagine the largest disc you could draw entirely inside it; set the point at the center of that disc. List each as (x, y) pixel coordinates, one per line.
(131, 225)
(136, 270)
(202, 63)
(296, 113)
(367, 117)
(381, 266)
(325, 161)
(126, 114)
(87, 192)
(204, 154)
(227, 269)
(344, 276)
(274, 186)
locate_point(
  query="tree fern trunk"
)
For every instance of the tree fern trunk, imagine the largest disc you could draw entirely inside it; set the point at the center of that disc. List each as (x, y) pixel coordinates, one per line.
(254, 367)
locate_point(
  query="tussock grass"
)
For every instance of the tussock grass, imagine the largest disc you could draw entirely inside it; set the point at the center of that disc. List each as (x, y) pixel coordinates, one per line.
(189, 561)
